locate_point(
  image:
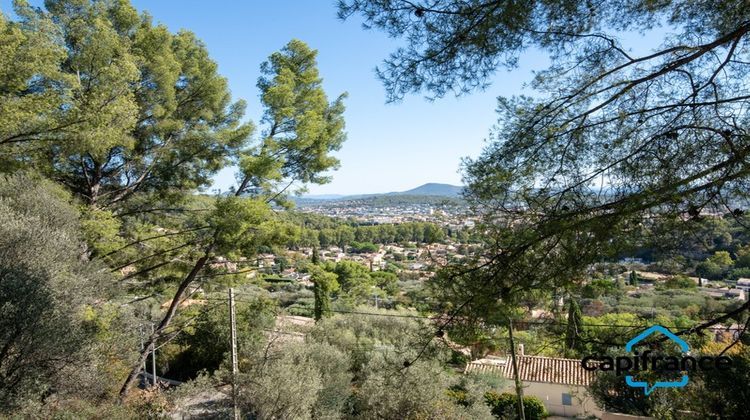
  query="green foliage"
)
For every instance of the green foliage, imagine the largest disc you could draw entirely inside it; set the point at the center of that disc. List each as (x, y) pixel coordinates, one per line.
(611, 391)
(418, 392)
(358, 284)
(743, 257)
(44, 287)
(599, 287)
(352, 366)
(324, 283)
(363, 247)
(331, 232)
(709, 269)
(505, 406)
(680, 282)
(602, 158)
(708, 393)
(304, 126)
(386, 281)
(333, 365)
(363, 337)
(237, 224)
(633, 278)
(722, 259)
(351, 273)
(31, 83)
(204, 344)
(84, 409)
(128, 107)
(737, 273)
(286, 387)
(315, 256)
(133, 120)
(101, 230)
(377, 347)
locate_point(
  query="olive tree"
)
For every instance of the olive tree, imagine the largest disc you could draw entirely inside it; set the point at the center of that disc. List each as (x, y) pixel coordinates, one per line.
(45, 287)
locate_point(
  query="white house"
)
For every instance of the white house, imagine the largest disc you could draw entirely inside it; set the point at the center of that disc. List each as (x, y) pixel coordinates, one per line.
(736, 293)
(744, 284)
(559, 383)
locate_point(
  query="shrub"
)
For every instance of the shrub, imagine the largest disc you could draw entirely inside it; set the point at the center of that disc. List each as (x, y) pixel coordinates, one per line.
(45, 285)
(679, 282)
(503, 406)
(740, 272)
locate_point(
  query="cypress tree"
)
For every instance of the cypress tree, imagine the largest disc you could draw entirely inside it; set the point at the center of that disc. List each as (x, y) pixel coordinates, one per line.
(324, 283)
(575, 327)
(633, 278)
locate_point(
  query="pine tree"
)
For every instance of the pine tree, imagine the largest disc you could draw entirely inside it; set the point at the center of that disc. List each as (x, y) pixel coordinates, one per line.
(303, 127)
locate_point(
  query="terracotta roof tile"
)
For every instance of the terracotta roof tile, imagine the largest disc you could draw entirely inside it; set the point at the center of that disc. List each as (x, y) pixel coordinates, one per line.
(537, 369)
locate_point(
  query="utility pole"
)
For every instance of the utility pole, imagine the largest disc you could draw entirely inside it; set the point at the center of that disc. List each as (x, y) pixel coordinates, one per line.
(153, 357)
(519, 387)
(233, 338)
(145, 371)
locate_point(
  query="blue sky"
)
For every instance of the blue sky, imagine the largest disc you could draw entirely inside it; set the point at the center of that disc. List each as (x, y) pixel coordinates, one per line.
(390, 147)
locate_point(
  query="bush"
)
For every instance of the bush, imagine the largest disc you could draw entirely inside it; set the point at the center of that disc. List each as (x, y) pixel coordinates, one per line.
(534, 408)
(679, 282)
(45, 285)
(285, 386)
(598, 288)
(739, 273)
(503, 406)
(423, 391)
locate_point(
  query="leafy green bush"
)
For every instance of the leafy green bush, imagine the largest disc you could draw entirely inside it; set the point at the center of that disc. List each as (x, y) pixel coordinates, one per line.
(600, 287)
(680, 282)
(504, 405)
(45, 288)
(739, 273)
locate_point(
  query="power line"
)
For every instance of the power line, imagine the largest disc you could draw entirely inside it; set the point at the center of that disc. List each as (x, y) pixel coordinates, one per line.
(518, 323)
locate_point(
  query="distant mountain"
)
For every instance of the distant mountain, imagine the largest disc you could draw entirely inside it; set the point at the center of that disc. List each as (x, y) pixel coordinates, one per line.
(430, 193)
(435, 189)
(432, 189)
(324, 196)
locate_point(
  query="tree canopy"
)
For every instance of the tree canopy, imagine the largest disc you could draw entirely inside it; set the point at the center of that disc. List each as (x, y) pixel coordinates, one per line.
(609, 142)
(134, 120)
(125, 106)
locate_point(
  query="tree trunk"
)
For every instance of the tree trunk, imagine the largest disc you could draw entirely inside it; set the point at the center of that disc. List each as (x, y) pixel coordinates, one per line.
(172, 307)
(164, 322)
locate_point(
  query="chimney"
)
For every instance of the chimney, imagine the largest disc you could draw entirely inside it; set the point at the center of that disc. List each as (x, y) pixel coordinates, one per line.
(520, 349)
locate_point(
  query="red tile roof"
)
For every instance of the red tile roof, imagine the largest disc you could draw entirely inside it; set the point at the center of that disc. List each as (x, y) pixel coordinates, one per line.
(537, 369)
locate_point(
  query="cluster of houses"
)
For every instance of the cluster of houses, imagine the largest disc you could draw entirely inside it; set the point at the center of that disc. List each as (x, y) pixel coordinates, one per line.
(739, 291)
(420, 260)
(450, 216)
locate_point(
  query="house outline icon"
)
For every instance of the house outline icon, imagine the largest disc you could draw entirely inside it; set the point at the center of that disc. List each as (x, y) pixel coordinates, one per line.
(662, 384)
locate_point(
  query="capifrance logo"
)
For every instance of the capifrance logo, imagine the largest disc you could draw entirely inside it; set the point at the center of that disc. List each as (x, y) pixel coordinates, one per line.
(648, 361)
